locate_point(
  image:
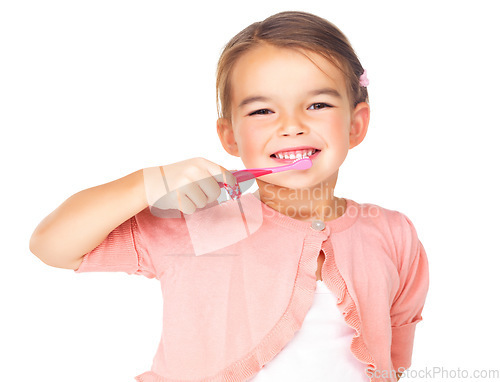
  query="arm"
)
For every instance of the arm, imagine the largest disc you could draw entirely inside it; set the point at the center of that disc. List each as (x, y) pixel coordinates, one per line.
(85, 219)
(409, 301)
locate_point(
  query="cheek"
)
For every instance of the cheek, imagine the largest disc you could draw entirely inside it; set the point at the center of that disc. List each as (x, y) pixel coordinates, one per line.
(249, 142)
(342, 135)
(337, 129)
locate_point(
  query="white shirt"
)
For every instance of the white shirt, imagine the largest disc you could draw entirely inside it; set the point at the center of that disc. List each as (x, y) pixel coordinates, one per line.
(320, 350)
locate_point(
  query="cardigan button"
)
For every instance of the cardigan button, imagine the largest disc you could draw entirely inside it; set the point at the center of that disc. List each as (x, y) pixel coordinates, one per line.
(318, 225)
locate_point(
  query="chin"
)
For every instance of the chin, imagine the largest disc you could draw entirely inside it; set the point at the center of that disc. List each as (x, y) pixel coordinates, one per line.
(294, 182)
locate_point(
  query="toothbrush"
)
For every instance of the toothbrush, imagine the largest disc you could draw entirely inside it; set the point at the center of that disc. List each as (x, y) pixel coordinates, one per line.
(250, 173)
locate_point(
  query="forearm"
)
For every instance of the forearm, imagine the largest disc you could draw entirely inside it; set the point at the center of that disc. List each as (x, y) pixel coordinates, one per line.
(84, 220)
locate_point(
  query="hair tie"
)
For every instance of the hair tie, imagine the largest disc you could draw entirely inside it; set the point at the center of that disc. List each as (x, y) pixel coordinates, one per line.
(363, 80)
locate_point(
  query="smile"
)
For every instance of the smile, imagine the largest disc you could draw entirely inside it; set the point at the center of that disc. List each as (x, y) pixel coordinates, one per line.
(290, 156)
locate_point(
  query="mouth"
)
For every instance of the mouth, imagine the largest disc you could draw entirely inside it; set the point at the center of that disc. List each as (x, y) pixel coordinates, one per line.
(291, 155)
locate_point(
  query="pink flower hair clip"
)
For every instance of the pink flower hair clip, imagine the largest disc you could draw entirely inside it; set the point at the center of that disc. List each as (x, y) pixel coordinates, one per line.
(363, 80)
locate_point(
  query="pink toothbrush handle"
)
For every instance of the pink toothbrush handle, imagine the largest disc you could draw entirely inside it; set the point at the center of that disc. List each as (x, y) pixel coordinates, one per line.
(250, 173)
(244, 175)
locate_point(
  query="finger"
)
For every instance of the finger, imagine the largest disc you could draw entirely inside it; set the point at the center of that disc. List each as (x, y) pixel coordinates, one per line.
(225, 176)
(220, 173)
(210, 188)
(195, 194)
(178, 200)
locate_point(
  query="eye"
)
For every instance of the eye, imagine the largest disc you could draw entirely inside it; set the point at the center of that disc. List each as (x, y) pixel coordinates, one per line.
(260, 112)
(320, 104)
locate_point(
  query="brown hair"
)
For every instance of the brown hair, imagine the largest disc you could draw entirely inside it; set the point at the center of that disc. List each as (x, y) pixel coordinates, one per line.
(294, 30)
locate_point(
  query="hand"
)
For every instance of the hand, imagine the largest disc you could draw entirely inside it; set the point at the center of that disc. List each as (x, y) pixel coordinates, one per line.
(186, 185)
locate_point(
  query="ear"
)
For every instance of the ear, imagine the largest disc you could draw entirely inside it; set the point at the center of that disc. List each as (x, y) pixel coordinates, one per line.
(226, 136)
(359, 124)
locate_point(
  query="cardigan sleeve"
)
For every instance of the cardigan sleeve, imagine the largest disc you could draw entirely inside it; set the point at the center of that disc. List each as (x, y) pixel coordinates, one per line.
(121, 251)
(409, 301)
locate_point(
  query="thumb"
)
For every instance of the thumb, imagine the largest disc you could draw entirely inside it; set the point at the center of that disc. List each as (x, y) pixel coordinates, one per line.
(226, 176)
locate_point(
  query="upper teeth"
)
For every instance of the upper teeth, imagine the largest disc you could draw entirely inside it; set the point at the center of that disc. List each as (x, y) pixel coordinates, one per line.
(299, 154)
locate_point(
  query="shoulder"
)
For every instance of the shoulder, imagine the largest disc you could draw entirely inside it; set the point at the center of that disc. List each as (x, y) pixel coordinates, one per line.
(393, 227)
(395, 221)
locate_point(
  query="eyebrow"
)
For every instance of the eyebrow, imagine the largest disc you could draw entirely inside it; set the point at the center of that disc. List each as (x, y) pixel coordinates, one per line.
(329, 91)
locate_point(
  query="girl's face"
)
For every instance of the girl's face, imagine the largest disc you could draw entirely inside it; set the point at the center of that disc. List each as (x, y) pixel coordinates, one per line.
(283, 102)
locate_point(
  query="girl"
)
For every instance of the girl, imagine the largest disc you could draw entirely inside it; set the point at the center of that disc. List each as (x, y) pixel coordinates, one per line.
(289, 283)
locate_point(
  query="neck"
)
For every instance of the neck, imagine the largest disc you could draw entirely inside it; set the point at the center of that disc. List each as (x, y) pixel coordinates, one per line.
(310, 203)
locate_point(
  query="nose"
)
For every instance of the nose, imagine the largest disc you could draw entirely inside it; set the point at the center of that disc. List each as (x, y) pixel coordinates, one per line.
(291, 126)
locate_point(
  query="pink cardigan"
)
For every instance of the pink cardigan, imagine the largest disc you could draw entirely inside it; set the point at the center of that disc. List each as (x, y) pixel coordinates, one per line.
(239, 278)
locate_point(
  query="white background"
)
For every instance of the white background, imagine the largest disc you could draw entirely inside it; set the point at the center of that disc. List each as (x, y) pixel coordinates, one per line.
(91, 91)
